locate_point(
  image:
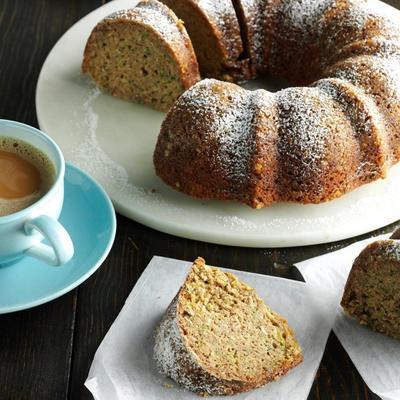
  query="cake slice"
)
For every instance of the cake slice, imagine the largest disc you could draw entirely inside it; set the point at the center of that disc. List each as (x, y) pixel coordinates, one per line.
(372, 291)
(215, 33)
(251, 16)
(218, 337)
(143, 54)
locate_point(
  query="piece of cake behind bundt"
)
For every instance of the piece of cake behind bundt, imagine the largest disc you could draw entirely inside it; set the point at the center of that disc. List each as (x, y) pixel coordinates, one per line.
(143, 54)
(218, 337)
(372, 291)
(214, 29)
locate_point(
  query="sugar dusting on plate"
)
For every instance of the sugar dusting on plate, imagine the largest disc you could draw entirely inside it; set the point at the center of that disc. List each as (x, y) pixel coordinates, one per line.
(89, 155)
(93, 159)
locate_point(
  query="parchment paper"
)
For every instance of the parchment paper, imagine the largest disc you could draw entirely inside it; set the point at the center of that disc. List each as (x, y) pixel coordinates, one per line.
(123, 366)
(376, 356)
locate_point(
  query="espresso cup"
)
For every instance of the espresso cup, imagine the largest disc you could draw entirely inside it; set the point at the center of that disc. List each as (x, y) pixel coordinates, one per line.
(22, 232)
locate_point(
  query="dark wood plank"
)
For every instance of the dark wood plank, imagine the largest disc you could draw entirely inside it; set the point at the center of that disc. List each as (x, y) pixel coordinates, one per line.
(35, 345)
(35, 351)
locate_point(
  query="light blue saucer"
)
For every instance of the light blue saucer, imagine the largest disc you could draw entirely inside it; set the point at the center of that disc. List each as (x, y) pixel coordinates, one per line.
(89, 217)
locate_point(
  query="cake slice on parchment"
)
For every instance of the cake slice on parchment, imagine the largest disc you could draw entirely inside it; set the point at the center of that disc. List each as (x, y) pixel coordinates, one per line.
(372, 291)
(143, 54)
(218, 337)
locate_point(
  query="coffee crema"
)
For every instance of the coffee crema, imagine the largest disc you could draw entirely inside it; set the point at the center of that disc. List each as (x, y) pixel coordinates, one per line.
(26, 174)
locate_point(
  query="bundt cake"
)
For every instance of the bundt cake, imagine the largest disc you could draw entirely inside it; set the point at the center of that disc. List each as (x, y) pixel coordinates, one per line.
(143, 54)
(372, 291)
(215, 33)
(301, 144)
(218, 337)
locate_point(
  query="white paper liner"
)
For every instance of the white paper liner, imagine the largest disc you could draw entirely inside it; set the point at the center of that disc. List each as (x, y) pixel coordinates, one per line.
(376, 356)
(123, 367)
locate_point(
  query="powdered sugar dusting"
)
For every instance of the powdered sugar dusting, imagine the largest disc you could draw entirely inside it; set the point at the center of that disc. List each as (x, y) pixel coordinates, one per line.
(174, 360)
(222, 14)
(154, 14)
(220, 11)
(303, 14)
(303, 24)
(310, 15)
(229, 131)
(390, 16)
(304, 130)
(390, 248)
(254, 13)
(89, 155)
(366, 121)
(390, 68)
(384, 66)
(300, 115)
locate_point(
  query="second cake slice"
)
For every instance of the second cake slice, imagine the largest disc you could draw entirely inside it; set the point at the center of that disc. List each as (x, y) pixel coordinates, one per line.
(143, 54)
(218, 336)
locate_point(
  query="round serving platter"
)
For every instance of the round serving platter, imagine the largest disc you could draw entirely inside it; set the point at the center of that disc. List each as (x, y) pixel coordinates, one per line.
(113, 141)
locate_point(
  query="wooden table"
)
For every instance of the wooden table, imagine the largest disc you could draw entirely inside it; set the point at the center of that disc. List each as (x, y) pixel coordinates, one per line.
(45, 352)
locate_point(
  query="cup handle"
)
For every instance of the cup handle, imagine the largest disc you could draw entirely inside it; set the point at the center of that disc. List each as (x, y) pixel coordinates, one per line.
(61, 248)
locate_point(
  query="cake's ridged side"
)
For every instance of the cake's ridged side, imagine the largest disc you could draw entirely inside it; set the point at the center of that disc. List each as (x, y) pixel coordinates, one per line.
(206, 142)
(350, 21)
(151, 19)
(214, 29)
(376, 46)
(318, 154)
(264, 184)
(379, 78)
(372, 291)
(368, 128)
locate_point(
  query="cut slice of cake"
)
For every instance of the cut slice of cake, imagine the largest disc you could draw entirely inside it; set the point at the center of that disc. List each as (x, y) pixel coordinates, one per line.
(372, 291)
(251, 16)
(143, 54)
(214, 29)
(218, 337)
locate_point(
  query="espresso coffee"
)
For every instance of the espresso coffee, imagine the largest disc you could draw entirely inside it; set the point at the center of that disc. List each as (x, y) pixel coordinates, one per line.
(26, 174)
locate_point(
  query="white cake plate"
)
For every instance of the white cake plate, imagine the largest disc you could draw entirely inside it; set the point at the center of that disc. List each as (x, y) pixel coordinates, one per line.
(113, 141)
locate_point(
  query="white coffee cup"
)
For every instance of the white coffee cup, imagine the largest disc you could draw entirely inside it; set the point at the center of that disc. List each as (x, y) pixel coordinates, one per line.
(22, 232)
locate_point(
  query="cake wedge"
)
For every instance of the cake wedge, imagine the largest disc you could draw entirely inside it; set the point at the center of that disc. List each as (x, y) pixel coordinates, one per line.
(143, 54)
(218, 337)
